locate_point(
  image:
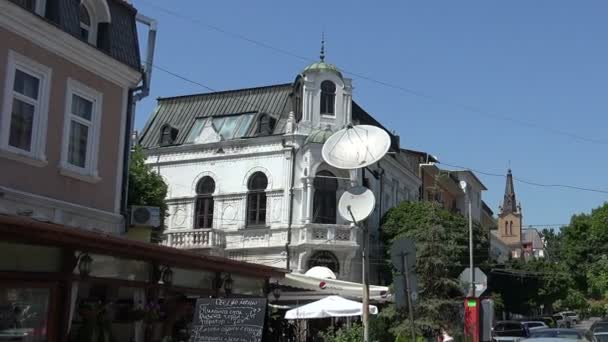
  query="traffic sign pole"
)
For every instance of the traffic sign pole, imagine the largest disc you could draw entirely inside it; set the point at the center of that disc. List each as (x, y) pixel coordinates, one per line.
(404, 264)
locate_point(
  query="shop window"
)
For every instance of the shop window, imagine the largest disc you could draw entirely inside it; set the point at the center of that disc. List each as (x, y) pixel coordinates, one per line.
(324, 202)
(204, 203)
(328, 98)
(256, 199)
(24, 313)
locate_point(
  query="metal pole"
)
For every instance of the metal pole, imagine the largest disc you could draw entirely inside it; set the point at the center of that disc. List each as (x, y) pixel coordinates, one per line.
(472, 280)
(364, 269)
(365, 316)
(408, 291)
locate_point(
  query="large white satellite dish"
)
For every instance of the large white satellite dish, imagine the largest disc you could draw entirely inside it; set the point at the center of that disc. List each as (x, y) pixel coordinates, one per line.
(357, 202)
(354, 147)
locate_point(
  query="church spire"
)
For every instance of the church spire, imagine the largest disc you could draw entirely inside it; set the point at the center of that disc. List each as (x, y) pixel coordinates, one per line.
(509, 204)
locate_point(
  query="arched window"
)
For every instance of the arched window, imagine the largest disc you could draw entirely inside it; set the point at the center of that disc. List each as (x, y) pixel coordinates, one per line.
(324, 205)
(85, 23)
(256, 199)
(204, 203)
(506, 228)
(511, 228)
(168, 135)
(328, 98)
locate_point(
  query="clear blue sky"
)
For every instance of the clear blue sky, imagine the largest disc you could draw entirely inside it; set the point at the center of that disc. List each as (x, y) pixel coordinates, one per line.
(543, 62)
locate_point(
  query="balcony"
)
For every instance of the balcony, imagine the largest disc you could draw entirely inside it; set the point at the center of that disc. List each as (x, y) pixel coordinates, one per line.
(195, 239)
(256, 238)
(327, 234)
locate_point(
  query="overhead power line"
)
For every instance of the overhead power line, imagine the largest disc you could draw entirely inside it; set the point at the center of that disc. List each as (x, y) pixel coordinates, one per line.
(545, 185)
(413, 92)
(564, 186)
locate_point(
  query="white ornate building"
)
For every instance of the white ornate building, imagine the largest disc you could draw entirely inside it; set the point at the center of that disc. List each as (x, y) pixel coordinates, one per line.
(247, 180)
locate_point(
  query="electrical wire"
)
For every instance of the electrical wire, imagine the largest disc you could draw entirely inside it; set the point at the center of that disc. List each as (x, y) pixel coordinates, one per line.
(533, 183)
(565, 186)
(416, 93)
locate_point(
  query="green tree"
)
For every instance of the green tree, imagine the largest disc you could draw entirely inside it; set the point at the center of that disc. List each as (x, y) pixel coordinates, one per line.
(441, 239)
(146, 187)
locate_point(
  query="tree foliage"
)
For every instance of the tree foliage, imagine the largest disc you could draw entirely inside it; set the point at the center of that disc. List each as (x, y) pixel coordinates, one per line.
(146, 187)
(441, 239)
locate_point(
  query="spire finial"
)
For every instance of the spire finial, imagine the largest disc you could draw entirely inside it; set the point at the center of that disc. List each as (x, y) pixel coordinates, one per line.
(322, 56)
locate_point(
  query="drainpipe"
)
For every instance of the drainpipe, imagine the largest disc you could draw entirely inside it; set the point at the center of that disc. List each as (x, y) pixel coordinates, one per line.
(136, 95)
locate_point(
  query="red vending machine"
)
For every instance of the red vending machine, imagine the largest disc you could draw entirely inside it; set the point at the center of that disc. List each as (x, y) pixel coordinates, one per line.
(471, 319)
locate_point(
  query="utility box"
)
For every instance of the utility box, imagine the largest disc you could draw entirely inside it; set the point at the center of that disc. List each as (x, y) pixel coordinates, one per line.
(486, 319)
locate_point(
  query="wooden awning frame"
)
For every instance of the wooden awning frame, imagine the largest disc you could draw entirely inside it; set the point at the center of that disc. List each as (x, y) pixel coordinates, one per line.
(29, 231)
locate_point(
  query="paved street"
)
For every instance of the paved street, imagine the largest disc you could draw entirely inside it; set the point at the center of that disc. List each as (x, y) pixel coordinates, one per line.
(586, 324)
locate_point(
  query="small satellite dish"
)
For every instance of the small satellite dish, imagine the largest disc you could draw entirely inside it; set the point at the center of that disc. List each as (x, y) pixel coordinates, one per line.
(360, 200)
(354, 147)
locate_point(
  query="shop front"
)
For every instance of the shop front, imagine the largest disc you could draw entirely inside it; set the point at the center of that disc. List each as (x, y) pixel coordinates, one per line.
(67, 284)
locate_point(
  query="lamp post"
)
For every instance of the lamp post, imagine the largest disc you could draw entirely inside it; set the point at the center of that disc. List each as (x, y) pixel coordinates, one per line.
(84, 264)
(464, 186)
(228, 285)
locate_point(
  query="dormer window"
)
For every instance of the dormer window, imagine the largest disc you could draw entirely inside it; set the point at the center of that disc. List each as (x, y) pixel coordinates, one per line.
(168, 135)
(328, 98)
(85, 24)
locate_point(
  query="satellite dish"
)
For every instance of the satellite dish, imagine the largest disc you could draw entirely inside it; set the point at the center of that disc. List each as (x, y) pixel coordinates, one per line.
(360, 200)
(354, 147)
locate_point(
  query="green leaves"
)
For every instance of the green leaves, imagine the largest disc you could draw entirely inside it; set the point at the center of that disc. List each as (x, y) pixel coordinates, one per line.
(442, 240)
(146, 187)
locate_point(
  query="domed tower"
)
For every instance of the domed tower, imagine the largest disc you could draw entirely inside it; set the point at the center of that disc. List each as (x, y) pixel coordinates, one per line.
(323, 96)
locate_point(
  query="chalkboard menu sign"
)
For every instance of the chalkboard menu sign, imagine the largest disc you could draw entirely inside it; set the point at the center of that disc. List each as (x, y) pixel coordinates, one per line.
(228, 320)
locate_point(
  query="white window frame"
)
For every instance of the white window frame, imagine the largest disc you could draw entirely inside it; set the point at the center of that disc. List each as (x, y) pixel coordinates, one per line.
(92, 38)
(89, 173)
(36, 156)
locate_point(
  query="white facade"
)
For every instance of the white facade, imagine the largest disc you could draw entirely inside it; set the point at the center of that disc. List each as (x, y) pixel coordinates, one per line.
(290, 238)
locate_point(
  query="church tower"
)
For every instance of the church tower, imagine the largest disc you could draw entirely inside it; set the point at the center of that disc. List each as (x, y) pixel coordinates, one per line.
(510, 219)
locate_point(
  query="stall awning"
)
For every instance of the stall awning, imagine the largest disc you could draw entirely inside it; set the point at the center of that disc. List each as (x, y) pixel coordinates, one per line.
(333, 286)
(330, 306)
(29, 231)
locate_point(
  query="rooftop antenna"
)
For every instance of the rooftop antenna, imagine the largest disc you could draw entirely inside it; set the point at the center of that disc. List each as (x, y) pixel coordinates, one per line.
(322, 56)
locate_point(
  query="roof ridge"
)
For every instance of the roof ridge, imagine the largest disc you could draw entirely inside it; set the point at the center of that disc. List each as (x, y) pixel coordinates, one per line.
(221, 92)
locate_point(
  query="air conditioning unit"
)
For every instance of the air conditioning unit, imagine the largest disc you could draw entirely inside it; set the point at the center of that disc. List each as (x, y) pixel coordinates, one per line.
(142, 216)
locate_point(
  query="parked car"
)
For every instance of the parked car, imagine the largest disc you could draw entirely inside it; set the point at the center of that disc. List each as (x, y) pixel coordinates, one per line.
(571, 334)
(562, 321)
(601, 335)
(599, 324)
(574, 318)
(510, 331)
(533, 325)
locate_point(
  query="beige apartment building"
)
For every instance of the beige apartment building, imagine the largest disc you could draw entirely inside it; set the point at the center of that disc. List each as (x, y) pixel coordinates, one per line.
(70, 73)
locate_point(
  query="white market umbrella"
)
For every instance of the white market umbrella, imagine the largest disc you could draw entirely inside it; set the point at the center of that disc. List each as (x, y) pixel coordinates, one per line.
(330, 306)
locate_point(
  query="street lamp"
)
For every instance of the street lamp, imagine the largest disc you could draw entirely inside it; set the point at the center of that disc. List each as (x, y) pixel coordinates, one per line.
(228, 285)
(276, 292)
(167, 275)
(84, 264)
(464, 186)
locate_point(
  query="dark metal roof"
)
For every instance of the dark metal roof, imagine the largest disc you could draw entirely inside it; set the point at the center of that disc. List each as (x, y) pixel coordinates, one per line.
(117, 39)
(181, 111)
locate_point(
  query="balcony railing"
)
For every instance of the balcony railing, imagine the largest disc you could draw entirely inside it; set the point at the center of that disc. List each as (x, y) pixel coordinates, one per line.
(333, 234)
(195, 239)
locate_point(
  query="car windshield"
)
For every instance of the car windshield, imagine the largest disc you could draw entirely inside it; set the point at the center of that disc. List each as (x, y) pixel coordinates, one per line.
(570, 334)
